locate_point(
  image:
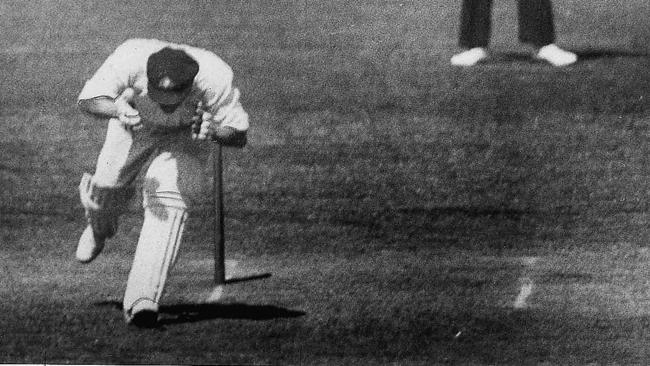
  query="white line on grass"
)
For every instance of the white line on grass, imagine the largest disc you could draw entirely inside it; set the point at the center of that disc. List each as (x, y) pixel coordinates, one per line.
(524, 292)
(527, 284)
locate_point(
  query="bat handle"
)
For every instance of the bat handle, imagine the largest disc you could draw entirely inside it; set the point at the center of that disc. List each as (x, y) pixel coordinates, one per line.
(218, 225)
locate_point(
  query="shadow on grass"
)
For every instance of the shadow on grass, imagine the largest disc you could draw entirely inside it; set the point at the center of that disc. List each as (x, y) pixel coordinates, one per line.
(511, 57)
(190, 313)
(187, 313)
(253, 277)
(583, 55)
(592, 54)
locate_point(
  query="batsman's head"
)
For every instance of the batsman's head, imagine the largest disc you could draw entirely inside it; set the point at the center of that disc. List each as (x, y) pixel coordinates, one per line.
(170, 74)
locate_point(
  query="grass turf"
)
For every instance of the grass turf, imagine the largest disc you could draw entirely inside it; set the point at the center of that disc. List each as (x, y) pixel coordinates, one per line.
(393, 198)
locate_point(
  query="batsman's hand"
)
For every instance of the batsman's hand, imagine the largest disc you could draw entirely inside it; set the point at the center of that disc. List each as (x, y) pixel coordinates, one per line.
(128, 115)
(205, 127)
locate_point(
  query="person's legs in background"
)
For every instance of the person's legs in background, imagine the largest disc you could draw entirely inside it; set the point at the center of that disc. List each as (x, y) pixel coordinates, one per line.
(536, 22)
(475, 30)
(536, 28)
(475, 23)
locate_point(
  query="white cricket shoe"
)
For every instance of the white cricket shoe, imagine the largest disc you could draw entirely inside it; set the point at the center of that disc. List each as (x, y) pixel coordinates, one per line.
(143, 314)
(556, 56)
(89, 246)
(470, 57)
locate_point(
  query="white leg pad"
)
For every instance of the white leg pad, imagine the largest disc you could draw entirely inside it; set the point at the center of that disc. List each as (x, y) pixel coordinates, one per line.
(155, 254)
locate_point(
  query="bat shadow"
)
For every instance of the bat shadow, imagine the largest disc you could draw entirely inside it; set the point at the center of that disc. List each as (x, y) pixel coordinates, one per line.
(189, 313)
(196, 312)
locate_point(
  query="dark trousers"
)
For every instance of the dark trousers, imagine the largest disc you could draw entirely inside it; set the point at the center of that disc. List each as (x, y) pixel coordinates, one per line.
(535, 23)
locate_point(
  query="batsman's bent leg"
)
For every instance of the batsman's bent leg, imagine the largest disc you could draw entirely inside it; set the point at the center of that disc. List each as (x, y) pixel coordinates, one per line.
(120, 160)
(103, 206)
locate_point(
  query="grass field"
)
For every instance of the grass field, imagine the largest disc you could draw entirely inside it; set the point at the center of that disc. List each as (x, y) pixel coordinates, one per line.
(409, 212)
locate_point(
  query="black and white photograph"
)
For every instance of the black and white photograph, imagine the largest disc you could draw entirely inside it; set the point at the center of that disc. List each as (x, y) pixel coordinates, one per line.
(301, 182)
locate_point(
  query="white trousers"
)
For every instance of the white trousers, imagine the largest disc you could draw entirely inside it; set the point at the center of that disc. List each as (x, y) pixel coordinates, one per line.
(175, 180)
(179, 163)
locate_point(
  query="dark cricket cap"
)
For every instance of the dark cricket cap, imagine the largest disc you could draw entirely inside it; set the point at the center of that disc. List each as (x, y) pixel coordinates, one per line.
(170, 73)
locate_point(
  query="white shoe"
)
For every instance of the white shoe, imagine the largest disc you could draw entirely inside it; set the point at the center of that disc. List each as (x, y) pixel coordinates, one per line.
(470, 57)
(89, 246)
(143, 314)
(556, 56)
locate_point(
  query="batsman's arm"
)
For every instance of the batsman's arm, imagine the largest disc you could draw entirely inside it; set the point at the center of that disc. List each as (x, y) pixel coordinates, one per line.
(106, 107)
(108, 92)
(101, 107)
(221, 116)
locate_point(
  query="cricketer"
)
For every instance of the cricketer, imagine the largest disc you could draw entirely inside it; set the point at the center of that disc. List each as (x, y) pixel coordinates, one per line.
(165, 104)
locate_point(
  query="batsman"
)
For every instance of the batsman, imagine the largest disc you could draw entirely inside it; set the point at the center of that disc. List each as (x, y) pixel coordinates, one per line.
(165, 104)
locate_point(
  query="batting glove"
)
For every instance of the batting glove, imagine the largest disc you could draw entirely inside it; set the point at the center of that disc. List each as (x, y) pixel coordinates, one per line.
(128, 115)
(204, 126)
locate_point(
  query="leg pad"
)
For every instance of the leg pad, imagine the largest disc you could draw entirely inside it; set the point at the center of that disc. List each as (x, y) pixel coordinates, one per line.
(155, 254)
